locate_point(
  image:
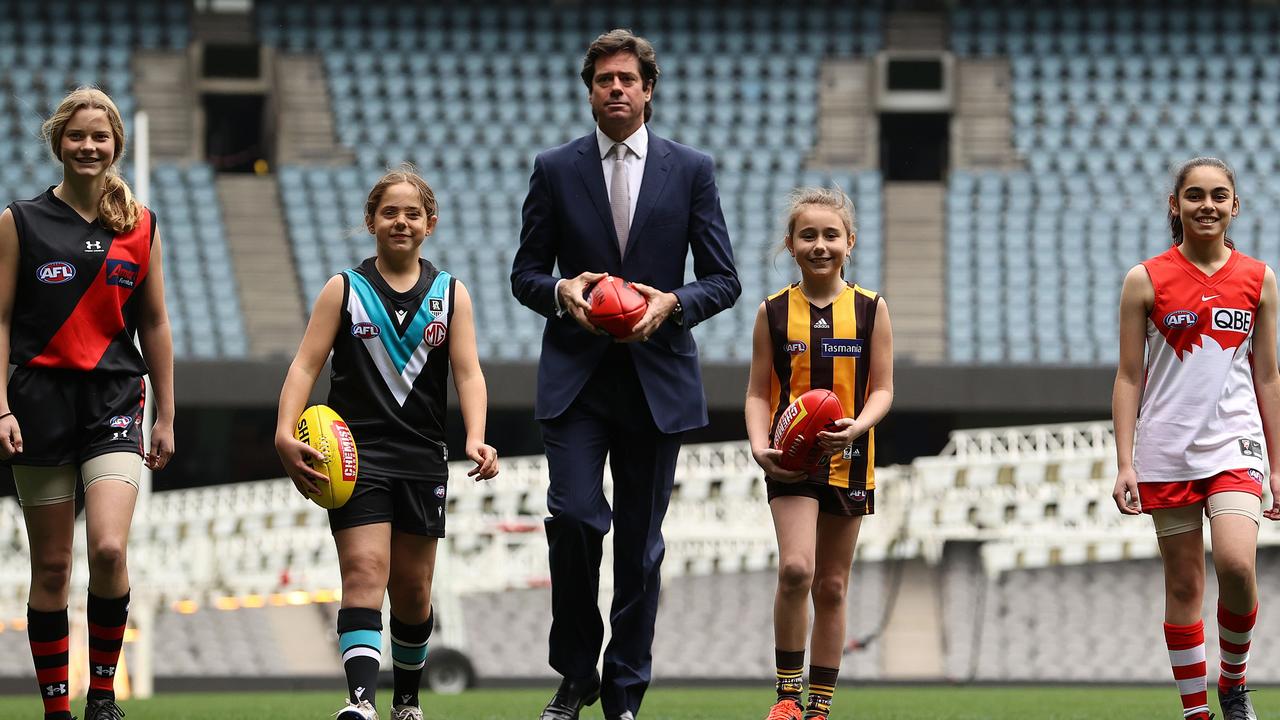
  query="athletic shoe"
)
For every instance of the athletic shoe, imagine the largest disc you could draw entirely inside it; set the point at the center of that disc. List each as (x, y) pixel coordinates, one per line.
(406, 712)
(102, 709)
(362, 711)
(785, 709)
(1236, 705)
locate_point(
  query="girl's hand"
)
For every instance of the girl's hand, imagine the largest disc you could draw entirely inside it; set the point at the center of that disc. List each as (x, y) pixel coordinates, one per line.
(834, 441)
(1126, 493)
(768, 458)
(486, 459)
(295, 456)
(1274, 512)
(161, 446)
(10, 437)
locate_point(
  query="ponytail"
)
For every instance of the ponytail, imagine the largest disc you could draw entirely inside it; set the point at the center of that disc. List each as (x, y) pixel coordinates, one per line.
(117, 210)
(1180, 177)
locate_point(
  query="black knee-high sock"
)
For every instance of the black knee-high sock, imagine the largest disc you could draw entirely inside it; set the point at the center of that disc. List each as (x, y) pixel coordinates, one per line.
(409, 656)
(107, 619)
(47, 632)
(360, 640)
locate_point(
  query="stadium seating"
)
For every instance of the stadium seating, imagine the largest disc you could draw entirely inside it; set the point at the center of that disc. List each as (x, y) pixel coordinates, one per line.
(49, 48)
(1103, 105)
(472, 123)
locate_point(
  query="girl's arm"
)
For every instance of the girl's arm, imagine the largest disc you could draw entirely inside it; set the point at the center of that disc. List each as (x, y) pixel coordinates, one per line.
(468, 379)
(316, 345)
(10, 433)
(758, 409)
(1136, 300)
(156, 341)
(1266, 384)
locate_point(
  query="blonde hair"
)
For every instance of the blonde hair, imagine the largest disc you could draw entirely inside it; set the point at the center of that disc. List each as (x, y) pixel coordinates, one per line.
(830, 198)
(117, 210)
(406, 173)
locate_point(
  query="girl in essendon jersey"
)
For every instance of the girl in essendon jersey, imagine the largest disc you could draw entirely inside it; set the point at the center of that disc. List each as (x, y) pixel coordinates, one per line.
(1194, 424)
(79, 276)
(396, 325)
(822, 332)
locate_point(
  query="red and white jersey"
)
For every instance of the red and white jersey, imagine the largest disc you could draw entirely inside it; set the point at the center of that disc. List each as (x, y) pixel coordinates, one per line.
(1199, 412)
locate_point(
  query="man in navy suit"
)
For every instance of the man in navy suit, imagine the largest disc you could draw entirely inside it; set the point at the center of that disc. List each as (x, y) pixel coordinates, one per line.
(625, 202)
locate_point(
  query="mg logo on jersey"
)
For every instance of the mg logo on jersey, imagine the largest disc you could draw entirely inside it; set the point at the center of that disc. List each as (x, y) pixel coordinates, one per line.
(365, 330)
(1180, 319)
(1232, 320)
(122, 273)
(434, 334)
(56, 272)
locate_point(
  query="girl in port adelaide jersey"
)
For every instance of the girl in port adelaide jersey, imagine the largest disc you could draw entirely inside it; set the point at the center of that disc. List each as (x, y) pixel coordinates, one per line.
(823, 332)
(80, 276)
(1197, 425)
(396, 326)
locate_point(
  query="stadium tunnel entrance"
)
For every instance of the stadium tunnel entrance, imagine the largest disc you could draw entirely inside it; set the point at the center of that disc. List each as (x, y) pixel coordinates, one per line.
(914, 146)
(234, 131)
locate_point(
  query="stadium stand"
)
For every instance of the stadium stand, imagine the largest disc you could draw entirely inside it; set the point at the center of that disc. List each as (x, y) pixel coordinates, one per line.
(472, 123)
(1103, 105)
(42, 63)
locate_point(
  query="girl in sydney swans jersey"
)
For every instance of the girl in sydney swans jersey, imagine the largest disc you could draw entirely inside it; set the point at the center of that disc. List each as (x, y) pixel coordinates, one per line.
(1194, 422)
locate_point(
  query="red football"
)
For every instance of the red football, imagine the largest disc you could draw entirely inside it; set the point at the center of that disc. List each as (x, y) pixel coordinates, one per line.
(796, 434)
(616, 307)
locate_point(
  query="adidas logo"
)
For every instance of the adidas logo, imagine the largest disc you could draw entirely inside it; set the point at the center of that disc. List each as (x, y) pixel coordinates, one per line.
(822, 324)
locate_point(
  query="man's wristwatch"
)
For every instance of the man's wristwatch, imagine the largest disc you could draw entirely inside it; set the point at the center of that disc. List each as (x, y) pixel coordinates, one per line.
(677, 313)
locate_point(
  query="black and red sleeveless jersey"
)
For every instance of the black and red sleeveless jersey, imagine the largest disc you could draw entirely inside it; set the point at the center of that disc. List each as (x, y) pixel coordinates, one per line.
(76, 299)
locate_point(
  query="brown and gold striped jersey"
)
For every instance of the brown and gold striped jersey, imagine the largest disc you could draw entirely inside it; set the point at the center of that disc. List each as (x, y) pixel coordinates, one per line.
(829, 348)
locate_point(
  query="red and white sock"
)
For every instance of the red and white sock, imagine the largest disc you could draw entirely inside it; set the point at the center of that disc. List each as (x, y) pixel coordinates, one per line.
(1186, 655)
(1234, 635)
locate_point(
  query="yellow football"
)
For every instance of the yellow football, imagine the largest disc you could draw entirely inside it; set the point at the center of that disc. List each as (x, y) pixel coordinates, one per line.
(321, 428)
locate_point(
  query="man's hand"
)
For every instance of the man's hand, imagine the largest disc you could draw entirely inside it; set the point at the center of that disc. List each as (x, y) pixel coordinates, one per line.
(661, 305)
(572, 292)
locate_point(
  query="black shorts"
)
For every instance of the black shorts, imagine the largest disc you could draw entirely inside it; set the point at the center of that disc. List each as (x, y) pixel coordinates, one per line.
(832, 500)
(414, 506)
(69, 416)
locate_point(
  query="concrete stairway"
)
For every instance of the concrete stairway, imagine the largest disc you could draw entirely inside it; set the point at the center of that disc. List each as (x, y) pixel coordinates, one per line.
(259, 245)
(162, 82)
(847, 123)
(981, 129)
(305, 122)
(914, 271)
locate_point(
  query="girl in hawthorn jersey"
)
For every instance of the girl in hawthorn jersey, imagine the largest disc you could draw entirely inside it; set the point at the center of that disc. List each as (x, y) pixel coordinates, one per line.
(817, 517)
(396, 325)
(1195, 421)
(80, 274)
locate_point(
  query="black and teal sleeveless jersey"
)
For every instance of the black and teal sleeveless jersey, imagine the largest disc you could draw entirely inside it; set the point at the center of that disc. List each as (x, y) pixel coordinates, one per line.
(390, 364)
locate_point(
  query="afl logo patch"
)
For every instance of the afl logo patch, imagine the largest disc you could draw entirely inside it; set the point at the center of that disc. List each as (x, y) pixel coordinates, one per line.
(858, 495)
(1180, 318)
(434, 334)
(120, 421)
(440, 491)
(1256, 475)
(795, 348)
(365, 330)
(56, 272)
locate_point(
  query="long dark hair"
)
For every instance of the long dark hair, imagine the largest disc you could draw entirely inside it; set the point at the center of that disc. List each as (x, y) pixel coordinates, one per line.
(1180, 179)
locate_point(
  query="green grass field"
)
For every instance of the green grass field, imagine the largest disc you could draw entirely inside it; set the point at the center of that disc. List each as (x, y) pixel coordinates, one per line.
(877, 703)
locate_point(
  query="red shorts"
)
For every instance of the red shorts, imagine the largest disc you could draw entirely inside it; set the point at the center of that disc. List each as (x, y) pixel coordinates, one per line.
(1161, 495)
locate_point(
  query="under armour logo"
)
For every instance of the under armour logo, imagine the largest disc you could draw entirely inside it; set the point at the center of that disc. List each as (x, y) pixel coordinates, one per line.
(92, 246)
(55, 690)
(104, 670)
